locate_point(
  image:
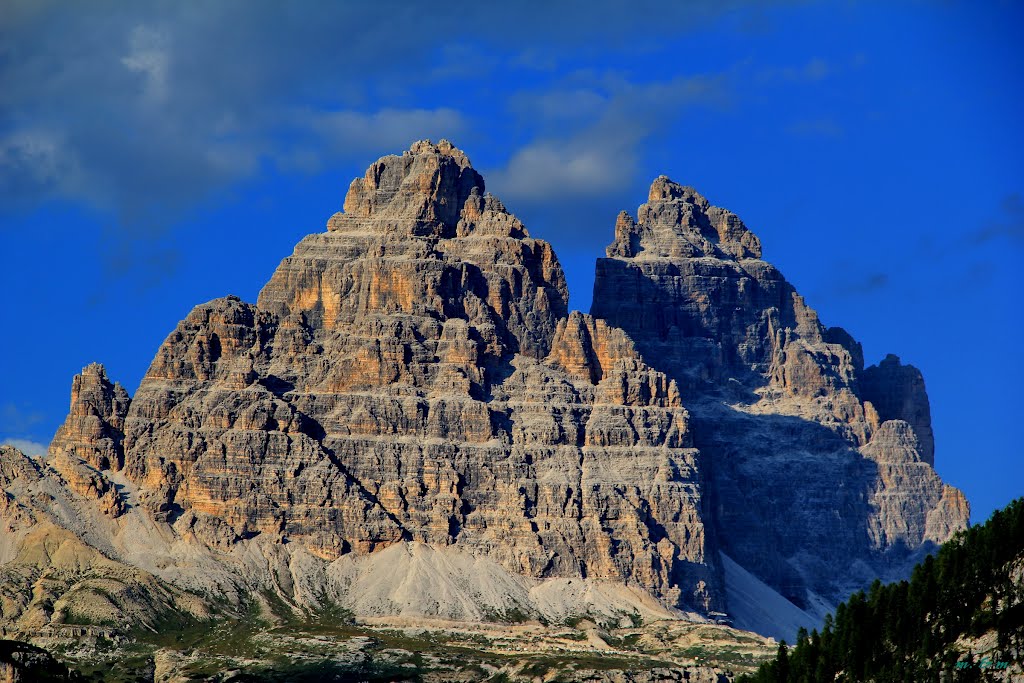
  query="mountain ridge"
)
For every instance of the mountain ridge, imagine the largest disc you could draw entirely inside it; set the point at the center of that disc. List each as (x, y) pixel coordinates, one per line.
(413, 376)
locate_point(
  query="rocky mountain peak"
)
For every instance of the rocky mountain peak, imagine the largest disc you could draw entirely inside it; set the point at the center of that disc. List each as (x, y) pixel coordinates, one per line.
(420, 237)
(443, 147)
(679, 222)
(664, 189)
(896, 392)
(421, 192)
(93, 430)
(779, 402)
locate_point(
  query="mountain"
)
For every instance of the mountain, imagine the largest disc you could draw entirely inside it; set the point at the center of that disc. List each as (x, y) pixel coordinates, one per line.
(409, 423)
(820, 471)
(960, 616)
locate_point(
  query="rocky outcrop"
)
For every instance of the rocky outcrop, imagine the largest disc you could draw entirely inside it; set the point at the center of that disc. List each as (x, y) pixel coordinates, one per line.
(94, 428)
(24, 663)
(896, 392)
(911, 501)
(91, 439)
(820, 471)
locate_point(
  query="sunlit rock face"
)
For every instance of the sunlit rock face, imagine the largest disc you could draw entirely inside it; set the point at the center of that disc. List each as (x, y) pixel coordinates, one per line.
(412, 374)
(820, 470)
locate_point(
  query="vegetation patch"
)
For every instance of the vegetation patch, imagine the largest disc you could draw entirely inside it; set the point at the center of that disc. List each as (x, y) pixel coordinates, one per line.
(914, 630)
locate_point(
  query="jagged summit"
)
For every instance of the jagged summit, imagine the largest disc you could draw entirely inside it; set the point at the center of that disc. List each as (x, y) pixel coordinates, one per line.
(421, 192)
(678, 222)
(443, 147)
(92, 431)
(420, 236)
(779, 402)
(664, 188)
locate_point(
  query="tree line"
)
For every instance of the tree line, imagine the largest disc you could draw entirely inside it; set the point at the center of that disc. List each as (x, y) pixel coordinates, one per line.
(907, 631)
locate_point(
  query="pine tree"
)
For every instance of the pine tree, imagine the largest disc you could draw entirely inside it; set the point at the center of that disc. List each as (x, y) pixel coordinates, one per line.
(782, 662)
(905, 631)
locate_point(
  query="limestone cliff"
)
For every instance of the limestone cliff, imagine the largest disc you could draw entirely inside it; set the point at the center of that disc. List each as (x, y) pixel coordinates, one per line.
(820, 470)
(404, 377)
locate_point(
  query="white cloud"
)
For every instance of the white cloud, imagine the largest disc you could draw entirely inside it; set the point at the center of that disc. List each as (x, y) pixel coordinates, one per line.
(598, 151)
(36, 162)
(150, 57)
(560, 105)
(217, 83)
(546, 169)
(26, 446)
(387, 128)
(144, 113)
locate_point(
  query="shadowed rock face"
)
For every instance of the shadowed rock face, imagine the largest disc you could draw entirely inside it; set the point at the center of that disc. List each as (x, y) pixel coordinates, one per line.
(896, 392)
(411, 379)
(820, 471)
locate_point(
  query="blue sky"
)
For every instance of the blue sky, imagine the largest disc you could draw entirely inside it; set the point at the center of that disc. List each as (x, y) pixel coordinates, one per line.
(157, 155)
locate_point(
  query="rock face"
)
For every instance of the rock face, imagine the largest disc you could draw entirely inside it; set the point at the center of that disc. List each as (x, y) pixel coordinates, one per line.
(412, 375)
(896, 392)
(819, 469)
(91, 438)
(94, 428)
(410, 386)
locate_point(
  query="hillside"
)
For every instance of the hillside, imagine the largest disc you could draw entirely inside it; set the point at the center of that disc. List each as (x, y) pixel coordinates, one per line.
(960, 615)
